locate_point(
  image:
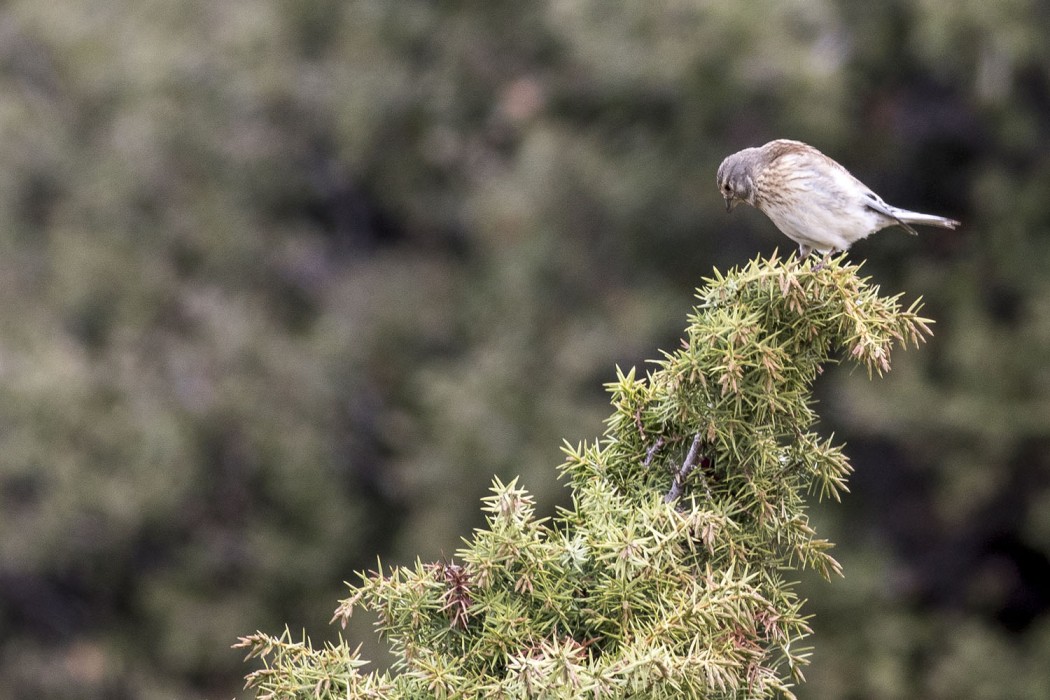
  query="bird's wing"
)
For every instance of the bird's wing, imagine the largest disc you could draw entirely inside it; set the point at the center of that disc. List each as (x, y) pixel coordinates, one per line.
(875, 203)
(824, 181)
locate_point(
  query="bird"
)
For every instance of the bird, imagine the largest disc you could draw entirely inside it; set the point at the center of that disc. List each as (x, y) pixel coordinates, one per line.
(812, 199)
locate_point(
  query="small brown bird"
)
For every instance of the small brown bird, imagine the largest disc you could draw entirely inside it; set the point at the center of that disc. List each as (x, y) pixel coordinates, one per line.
(812, 199)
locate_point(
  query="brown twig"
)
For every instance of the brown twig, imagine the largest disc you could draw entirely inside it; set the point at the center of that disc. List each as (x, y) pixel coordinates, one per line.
(685, 470)
(651, 452)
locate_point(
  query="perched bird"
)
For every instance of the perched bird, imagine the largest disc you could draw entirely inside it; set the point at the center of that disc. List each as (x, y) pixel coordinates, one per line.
(812, 199)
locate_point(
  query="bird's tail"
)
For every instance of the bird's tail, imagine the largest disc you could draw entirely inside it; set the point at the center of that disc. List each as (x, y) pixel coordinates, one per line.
(905, 218)
(913, 217)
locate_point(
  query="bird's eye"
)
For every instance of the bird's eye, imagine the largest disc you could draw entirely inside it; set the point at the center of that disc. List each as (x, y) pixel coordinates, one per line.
(727, 188)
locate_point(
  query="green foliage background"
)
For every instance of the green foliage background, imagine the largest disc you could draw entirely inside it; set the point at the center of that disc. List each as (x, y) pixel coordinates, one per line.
(286, 282)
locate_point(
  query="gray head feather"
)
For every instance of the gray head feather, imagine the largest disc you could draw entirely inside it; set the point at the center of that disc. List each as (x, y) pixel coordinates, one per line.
(736, 177)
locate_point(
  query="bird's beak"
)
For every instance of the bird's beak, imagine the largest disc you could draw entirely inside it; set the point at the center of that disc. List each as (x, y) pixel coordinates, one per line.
(730, 203)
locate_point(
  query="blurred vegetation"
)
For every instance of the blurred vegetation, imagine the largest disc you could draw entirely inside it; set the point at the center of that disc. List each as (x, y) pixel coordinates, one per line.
(287, 282)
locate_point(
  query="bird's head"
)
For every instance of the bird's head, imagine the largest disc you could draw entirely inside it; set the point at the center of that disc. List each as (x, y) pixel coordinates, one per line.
(735, 179)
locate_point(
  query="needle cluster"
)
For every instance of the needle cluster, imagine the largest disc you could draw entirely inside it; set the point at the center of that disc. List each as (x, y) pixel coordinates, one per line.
(670, 576)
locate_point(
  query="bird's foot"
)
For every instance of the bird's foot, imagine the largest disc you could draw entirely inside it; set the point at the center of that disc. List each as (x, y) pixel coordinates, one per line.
(824, 260)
